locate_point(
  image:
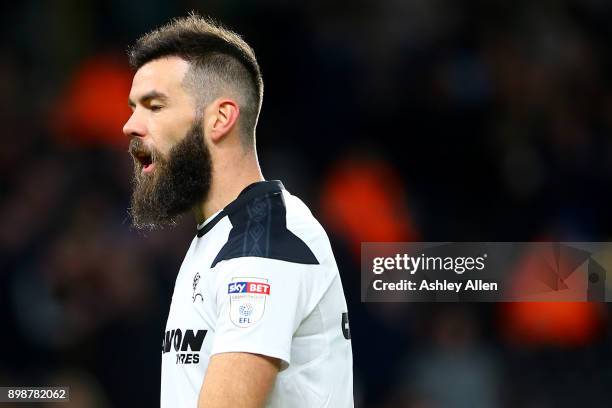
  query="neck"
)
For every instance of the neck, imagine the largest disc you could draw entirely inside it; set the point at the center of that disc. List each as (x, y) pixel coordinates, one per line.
(230, 175)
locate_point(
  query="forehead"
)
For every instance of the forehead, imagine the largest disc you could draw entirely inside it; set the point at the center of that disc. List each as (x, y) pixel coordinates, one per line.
(163, 75)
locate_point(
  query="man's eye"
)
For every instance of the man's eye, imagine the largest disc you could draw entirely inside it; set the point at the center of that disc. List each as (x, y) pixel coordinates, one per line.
(155, 108)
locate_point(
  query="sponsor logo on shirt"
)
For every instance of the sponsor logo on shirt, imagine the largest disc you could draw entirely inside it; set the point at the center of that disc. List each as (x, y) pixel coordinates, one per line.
(183, 342)
(247, 300)
(248, 287)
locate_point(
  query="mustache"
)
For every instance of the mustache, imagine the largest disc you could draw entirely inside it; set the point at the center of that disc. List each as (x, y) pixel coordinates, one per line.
(137, 148)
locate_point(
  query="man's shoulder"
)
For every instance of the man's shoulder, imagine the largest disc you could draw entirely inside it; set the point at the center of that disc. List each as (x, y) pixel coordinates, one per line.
(273, 226)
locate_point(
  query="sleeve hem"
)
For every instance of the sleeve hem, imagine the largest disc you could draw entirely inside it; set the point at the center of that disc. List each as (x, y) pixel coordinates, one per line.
(285, 359)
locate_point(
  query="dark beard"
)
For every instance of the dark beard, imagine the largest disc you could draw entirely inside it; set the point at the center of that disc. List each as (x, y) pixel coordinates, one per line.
(176, 184)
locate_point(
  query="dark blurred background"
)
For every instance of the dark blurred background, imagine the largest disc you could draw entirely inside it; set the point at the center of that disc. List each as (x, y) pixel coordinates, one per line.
(394, 120)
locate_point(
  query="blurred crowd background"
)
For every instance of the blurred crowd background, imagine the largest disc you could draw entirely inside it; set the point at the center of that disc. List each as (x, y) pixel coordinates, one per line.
(394, 120)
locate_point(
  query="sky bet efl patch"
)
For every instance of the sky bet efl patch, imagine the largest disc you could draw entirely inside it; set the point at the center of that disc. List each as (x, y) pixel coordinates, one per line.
(247, 300)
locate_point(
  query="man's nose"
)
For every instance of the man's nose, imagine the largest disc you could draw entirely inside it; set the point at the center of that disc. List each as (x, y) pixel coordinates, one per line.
(133, 127)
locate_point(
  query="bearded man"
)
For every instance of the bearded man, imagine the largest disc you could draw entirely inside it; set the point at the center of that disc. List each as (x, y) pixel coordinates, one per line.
(258, 316)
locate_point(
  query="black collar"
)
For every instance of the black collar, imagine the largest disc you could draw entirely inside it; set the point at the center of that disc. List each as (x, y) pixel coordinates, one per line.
(258, 189)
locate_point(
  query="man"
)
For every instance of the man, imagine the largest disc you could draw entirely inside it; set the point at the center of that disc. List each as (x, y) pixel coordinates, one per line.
(258, 316)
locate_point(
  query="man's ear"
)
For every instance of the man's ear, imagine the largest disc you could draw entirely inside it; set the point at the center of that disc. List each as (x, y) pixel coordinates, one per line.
(220, 118)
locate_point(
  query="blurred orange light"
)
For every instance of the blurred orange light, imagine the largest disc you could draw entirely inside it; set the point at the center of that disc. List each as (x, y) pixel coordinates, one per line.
(551, 323)
(93, 107)
(364, 201)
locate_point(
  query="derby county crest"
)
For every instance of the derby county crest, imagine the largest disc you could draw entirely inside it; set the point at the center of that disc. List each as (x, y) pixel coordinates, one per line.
(196, 290)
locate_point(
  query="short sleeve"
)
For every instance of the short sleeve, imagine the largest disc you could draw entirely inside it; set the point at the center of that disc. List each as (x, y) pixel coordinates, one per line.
(260, 303)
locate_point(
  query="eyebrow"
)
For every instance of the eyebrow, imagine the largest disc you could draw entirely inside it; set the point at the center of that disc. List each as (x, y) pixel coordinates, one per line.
(148, 96)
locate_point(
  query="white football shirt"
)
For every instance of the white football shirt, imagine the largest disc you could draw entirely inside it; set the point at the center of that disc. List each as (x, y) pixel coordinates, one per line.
(260, 277)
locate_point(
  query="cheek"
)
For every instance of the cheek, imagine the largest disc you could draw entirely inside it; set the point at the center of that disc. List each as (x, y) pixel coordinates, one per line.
(163, 144)
(167, 134)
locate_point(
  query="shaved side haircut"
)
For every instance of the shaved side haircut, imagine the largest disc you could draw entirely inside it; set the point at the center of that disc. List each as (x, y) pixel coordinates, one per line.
(221, 64)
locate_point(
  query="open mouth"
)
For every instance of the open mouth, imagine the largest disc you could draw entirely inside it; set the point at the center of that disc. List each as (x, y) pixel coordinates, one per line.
(145, 159)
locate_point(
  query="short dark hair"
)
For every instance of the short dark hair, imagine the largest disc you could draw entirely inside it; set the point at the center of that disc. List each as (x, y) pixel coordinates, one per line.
(220, 61)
